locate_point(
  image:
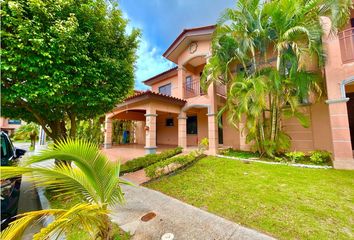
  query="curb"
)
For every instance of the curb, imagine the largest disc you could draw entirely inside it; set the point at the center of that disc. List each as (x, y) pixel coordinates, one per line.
(44, 205)
(276, 163)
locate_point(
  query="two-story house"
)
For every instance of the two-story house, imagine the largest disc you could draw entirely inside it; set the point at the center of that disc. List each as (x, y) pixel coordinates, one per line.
(177, 112)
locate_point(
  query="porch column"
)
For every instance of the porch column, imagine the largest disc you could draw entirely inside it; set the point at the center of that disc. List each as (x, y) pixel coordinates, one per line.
(108, 133)
(181, 80)
(212, 121)
(150, 137)
(182, 130)
(342, 148)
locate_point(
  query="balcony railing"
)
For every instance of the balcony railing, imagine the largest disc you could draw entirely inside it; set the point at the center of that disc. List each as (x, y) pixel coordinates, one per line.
(192, 88)
(220, 89)
(346, 41)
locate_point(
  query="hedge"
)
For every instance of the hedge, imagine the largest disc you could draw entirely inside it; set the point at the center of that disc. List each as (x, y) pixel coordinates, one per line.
(172, 164)
(147, 160)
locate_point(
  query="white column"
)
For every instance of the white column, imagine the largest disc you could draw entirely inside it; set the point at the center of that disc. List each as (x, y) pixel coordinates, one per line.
(150, 137)
(182, 130)
(212, 121)
(108, 133)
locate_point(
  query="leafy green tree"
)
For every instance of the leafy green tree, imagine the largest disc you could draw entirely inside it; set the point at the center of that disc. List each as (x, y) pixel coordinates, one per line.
(28, 131)
(64, 61)
(91, 130)
(95, 180)
(271, 45)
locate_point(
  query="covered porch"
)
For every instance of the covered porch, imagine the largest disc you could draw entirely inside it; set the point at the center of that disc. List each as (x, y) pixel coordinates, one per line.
(162, 120)
(156, 118)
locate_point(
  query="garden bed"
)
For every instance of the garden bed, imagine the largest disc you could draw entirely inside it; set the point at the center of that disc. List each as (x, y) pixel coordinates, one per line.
(147, 160)
(315, 158)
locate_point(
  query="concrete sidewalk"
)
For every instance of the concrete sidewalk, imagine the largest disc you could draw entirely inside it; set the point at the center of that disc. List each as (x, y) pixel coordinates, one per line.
(173, 216)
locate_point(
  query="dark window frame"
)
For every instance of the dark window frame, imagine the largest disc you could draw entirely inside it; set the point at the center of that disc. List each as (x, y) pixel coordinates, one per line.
(189, 83)
(169, 122)
(192, 125)
(14, 121)
(161, 89)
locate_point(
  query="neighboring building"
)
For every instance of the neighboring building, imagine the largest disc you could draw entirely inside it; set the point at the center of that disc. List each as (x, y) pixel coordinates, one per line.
(177, 112)
(10, 125)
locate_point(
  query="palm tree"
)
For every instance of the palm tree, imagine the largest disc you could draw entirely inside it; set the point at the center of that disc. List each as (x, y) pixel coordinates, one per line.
(93, 178)
(249, 36)
(28, 131)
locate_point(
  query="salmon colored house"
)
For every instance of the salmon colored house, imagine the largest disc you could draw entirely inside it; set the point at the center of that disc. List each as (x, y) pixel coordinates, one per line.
(177, 112)
(9, 125)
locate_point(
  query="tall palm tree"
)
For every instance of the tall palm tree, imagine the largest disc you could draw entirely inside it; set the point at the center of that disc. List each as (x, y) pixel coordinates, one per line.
(249, 36)
(93, 178)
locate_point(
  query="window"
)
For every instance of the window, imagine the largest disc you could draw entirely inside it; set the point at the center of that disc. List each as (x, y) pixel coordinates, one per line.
(169, 122)
(165, 89)
(189, 83)
(352, 22)
(14, 121)
(192, 126)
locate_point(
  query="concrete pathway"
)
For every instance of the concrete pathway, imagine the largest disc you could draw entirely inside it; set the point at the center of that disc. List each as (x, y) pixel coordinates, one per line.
(28, 200)
(173, 216)
(137, 177)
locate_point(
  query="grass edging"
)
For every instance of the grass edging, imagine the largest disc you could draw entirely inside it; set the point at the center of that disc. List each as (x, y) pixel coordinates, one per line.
(276, 163)
(171, 165)
(139, 163)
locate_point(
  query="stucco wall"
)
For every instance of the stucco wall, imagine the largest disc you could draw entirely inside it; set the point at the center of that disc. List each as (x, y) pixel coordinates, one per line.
(166, 134)
(174, 86)
(202, 122)
(230, 134)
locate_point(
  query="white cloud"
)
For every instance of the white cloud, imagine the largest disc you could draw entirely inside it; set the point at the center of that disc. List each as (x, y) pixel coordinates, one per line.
(150, 63)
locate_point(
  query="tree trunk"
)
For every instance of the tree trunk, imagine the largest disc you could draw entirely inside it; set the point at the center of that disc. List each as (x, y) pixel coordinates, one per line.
(73, 126)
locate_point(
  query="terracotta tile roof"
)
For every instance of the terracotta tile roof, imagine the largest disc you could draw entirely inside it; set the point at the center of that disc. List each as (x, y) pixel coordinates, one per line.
(150, 94)
(186, 30)
(147, 81)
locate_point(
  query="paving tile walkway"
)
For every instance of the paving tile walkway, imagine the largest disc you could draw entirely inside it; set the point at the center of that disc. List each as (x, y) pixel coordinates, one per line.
(173, 216)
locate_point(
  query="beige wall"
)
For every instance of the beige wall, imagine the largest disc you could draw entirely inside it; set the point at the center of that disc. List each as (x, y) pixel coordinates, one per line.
(202, 122)
(167, 134)
(230, 133)
(174, 86)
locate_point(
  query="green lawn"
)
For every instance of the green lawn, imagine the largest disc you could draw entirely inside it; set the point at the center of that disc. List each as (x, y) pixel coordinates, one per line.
(283, 201)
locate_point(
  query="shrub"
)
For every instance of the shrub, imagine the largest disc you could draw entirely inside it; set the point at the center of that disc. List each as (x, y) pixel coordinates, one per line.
(320, 157)
(171, 164)
(147, 160)
(295, 156)
(203, 145)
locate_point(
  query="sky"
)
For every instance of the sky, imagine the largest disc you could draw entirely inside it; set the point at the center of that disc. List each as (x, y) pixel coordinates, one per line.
(160, 22)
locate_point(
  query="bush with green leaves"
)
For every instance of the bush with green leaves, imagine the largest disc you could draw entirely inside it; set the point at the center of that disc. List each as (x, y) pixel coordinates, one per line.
(172, 164)
(149, 159)
(320, 157)
(295, 156)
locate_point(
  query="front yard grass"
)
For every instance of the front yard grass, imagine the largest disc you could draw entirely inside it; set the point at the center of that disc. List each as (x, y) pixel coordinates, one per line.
(285, 202)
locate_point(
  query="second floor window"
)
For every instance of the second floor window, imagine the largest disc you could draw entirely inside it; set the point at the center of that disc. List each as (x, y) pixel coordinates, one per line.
(14, 121)
(189, 83)
(165, 89)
